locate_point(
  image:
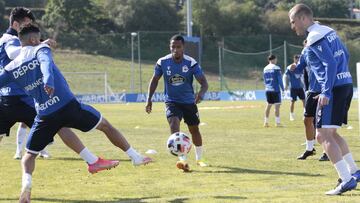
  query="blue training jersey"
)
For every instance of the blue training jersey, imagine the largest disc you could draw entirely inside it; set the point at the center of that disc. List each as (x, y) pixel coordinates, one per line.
(328, 58)
(272, 78)
(314, 86)
(295, 79)
(9, 49)
(178, 78)
(31, 70)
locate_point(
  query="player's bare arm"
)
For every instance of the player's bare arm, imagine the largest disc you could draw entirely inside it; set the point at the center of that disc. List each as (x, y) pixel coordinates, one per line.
(152, 87)
(204, 86)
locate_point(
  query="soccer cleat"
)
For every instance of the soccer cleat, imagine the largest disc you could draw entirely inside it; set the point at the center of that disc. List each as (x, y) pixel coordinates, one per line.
(278, 125)
(183, 166)
(266, 125)
(343, 187)
(25, 195)
(44, 154)
(201, 163)
(102, 164)
(324, 157)
(356, 176)
(306, 154)
(17, 156)
(141, 161)
(292, 118)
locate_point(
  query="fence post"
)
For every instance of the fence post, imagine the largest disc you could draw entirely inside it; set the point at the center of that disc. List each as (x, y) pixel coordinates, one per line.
(270, 44)
(220, 45)
(139, 61)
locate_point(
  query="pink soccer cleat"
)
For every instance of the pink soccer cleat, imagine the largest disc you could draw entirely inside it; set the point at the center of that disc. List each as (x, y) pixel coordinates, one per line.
(102, 164)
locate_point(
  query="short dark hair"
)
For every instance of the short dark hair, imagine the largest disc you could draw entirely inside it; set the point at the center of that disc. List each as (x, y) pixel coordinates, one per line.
(28, 29)
(271, 57)
(296, 56)
(300, 10)
(19, 13)
(178, 38)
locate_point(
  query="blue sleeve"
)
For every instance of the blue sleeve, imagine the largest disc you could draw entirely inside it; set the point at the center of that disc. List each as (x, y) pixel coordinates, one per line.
(158, 70)
(197, 70)
(4, 78)
(323, 65)
(300, 66)
(279, 79)
(45, 60)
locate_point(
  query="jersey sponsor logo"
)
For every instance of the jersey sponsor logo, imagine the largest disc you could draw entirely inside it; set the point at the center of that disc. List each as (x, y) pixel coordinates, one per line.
(47, 104)
(177, 80)
(34, 84)
(343, 75)
(25, 68)
(185, 69)
(331, 37)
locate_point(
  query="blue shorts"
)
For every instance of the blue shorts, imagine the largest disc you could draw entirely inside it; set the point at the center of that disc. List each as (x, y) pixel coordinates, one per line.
(310, 104)
(73, 115)
(188, 111)
(13, 110)
(297, 92)
(334, 114)
(273, 97)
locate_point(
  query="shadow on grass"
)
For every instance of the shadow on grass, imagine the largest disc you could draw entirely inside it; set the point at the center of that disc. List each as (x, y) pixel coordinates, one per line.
(227, 169)
(80, 159)
(116, 200)
(229, 197)
(178, 200)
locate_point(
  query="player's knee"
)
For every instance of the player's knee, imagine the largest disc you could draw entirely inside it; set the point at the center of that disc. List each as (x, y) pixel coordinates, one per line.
(104, 125)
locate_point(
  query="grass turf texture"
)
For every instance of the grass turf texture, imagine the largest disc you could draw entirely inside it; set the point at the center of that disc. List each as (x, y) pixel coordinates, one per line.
(249, 163)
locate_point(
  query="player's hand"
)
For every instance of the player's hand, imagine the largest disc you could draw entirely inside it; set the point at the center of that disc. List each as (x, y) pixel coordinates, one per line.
(148, 106)
(198, 98)
(49, 90)
(51, 43)
(322, 100)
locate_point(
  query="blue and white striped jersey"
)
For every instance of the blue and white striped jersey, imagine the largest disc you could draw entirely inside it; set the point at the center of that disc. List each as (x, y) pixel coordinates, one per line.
(31, 70)
(272, 78)
(178, 78)
(328, 58)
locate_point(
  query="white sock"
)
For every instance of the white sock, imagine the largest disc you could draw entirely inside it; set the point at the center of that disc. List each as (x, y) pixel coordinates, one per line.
(342, 170)
(26, 182)
(20, 139)
(277, 119)
(89, 157)
(266, 119)
(132, 153)
(350, 163)
(198, 150)
(310, 145)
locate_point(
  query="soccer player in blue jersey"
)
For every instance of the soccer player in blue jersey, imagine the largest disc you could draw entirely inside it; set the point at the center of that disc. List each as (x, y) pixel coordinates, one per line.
(273, 83)
(34, 71)
(178, 71)
(11, 95)
(17, 106)
(296, 85)
(328, 58)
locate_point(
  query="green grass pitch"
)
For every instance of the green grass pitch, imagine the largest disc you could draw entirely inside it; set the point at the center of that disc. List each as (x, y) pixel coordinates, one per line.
(248, 162)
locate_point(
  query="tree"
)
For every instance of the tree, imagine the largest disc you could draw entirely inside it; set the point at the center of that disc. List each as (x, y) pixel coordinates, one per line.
(135, 15)
(69, 16)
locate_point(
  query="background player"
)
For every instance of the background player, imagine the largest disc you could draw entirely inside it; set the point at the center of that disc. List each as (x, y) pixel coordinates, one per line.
(273, 83)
